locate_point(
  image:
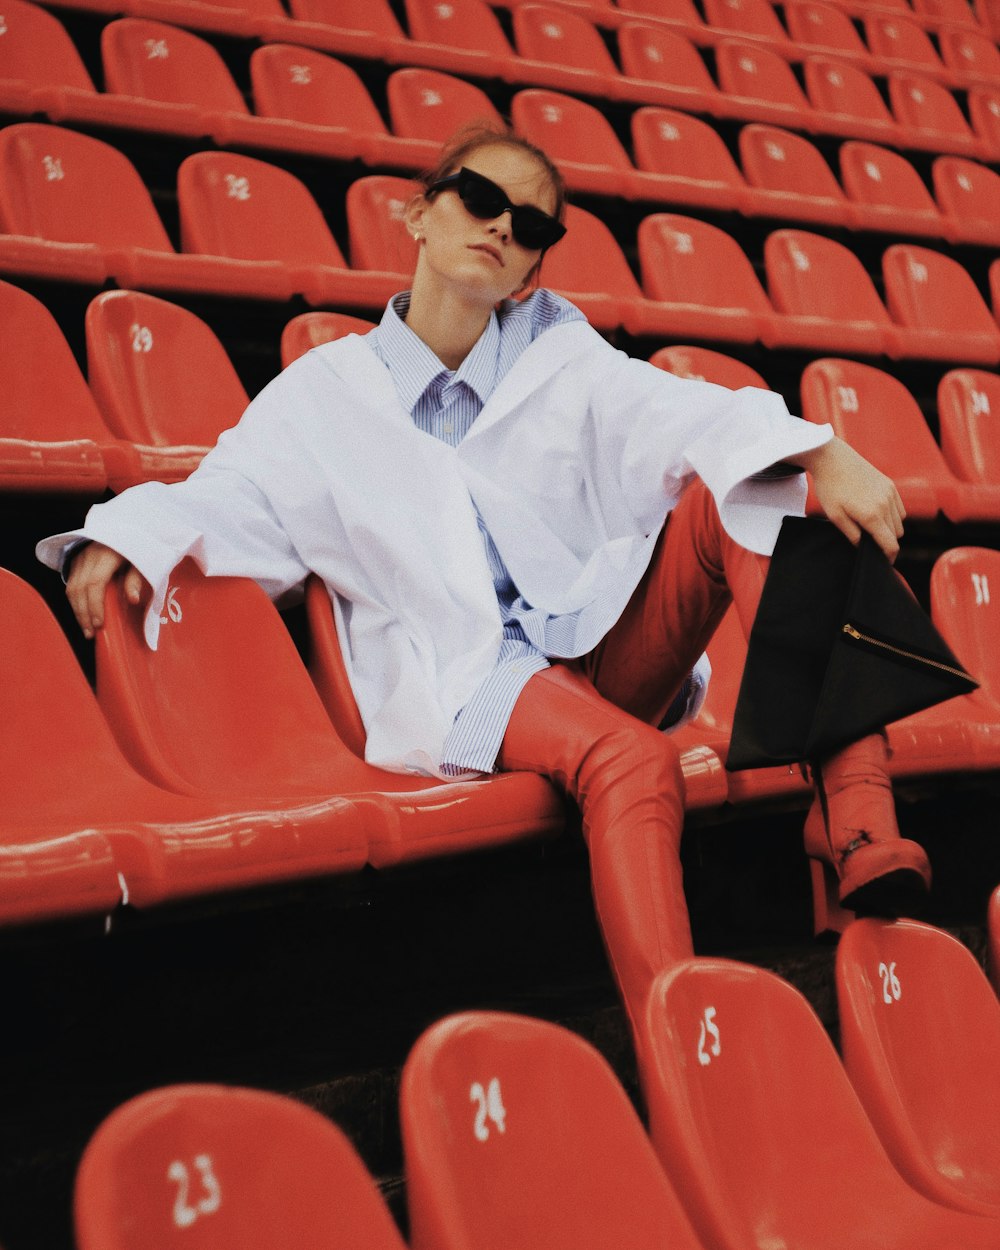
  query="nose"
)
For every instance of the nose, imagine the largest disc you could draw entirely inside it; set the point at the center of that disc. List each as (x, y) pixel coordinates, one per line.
(502, 225)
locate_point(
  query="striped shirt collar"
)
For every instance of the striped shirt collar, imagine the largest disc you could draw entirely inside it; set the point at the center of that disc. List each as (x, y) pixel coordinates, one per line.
(416, 368)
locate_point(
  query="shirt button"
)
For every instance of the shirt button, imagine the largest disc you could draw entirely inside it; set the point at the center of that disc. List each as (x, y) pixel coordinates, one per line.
(448, 427)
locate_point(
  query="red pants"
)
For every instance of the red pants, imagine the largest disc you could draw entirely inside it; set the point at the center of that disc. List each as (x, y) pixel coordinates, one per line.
(588, 724)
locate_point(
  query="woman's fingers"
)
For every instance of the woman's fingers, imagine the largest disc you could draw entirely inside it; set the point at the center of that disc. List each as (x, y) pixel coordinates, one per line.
(92, 569)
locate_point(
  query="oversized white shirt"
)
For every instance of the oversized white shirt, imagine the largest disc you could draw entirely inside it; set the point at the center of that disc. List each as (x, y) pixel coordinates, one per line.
(574, 463)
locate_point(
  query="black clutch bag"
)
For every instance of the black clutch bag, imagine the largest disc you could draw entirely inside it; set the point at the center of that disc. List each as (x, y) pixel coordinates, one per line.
(839, 648)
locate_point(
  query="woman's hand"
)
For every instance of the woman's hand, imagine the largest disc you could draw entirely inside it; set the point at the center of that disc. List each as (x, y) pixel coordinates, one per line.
(855, 495)
(89, 575)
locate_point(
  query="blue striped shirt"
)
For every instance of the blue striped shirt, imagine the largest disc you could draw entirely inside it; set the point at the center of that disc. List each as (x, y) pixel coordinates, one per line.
(444, 403)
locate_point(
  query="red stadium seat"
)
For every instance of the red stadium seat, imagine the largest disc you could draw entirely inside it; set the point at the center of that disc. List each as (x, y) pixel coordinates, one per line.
(849, 99)
(702, 280)
(181, 713)
(920, 1033)
(704, 365)
(564, 37)
(691, 154)
(372, 17)
(516, 1132)
(52, 435)
(40, 67)
(309, 330)
(945, 12)
(201, 1166)
(162, 379)
(589, 268)
(90, 833)
(824, 26)
(747, 17)
(753, 1114)
(79, 211)
(151, 61)
(425, 104)
(878, 416)
(255, 213)
(465, 31)
(680, 12)
(968, 403)
(887, 192)
(314, 102)
(378, 240)
(791, 177)
(579, 138)
(895, 41)
(930, 113)
(935, 298)
(969, 196)
(970, 54)
(658, 54)
(984, 114)
(824, 289)
(763, 76)
(993, 937)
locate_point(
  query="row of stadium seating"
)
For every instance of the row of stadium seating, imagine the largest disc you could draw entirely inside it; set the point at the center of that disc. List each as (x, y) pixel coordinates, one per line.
(41, 70)
(75, 208)
(517, 1133)
(161, 388)
(160, 794)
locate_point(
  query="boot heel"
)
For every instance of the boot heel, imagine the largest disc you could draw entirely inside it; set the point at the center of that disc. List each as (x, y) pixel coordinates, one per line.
(829, 917)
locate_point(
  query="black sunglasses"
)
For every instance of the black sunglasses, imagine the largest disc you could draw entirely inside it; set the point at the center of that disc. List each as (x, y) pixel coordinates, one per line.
(530, 227)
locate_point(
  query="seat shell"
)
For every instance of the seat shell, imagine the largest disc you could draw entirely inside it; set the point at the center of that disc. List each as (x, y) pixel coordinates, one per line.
(310, 329)
(938, 303)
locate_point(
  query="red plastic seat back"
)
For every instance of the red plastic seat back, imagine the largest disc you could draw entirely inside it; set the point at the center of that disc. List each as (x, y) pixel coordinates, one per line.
(377, 234)
(657, 54)
(468, 24)
(43, 394)
(158, 62)
(302, 85)
(929, 290)
(309, 330)
(878, 416)
(969, 53)
(517, 1133)
(237, 206)
(926, 105)
(374, 17)
(958, 12)
(36, 49)
(704, 365)
(837, 87)
(425, 104)
(209, 1166)
(562, 37)
(158, 372)
(752, 1112)
(669, 142)
(920, 1034)
(823, 26)
(67, 187)
(589, 258)
(993, 937)
(965, 602)
(224, 661)
(782, 161)
(757, 73)
(811, 274)
(568, 129)
(876, 175)
(968, 402)
(897, 39)
(745, 17)
(966, 189)
(684, 259)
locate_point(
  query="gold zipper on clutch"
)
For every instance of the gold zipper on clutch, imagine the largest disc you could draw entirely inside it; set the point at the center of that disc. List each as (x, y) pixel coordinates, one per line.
(909, 655)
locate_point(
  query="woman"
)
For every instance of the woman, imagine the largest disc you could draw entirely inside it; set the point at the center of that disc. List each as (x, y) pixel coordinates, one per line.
(529, 539)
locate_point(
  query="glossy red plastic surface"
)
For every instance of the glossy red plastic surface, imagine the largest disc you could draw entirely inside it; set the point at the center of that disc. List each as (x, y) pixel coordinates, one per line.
(886, 191)
(212, 1167)
(310, 329)
(38, 57)
(920, 1034)
(561, 36)
(162, 379)
(896, 40)
(968, 403)
(705, 365)
(969, 195)
(516, 1132)
(589, 267)
(939, 305)
(154, 61)
(426, 104)
(753, 1115)
(930, 113)
(791, 177)
(690, 158)
(579, 138)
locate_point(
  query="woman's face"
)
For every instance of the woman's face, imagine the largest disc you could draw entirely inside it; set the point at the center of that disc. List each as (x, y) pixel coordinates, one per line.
(481, 258)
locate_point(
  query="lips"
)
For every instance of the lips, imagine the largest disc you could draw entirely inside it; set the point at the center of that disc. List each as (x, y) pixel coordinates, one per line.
(489, 250)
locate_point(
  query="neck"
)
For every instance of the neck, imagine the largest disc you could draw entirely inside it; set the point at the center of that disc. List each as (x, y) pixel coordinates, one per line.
(447, 323)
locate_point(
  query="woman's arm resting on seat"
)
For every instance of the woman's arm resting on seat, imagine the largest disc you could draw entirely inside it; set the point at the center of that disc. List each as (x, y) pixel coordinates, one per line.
(92, 570)
(855, 495)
